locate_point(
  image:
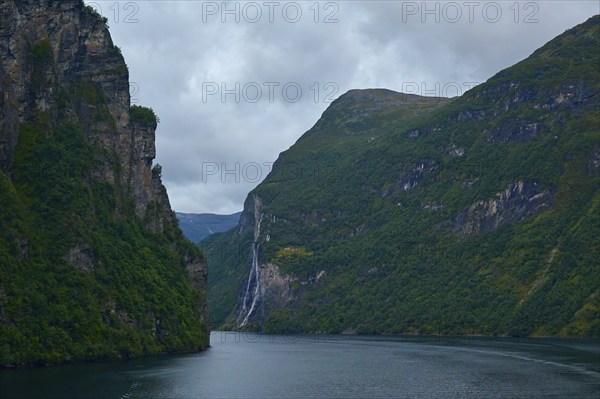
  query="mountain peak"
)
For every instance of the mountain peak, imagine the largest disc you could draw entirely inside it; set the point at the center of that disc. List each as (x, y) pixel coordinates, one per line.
(375, 100)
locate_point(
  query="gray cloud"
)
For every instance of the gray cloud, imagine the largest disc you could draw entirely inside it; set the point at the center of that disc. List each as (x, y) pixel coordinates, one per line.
(171, 52)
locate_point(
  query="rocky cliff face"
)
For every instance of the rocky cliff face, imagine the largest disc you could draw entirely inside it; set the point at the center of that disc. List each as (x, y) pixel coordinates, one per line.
(50, 43)
(519, 200)
(65, 89)
(57, 49)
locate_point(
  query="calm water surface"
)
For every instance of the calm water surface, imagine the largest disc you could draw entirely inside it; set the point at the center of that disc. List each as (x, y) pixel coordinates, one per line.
(311, 366)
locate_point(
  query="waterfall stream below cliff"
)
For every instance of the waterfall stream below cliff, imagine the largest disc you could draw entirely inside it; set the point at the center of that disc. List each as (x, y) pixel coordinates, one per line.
(252, 290)
(252, 287)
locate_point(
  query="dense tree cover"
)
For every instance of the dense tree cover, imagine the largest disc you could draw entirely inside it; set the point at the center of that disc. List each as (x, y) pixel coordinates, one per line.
(127, 292)
(335, 202)
(143, 115)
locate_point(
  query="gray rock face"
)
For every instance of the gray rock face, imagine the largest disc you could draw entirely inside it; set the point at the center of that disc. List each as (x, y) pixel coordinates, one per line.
(159, 213)
(252, 207)
(411, 176)
(514, 130)
(80, 48)
(53, 49)
(517, 201)
(276, 288)
(82, 257)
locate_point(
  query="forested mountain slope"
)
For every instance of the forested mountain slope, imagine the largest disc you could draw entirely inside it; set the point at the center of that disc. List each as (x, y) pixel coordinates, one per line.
(93, 264)
(404, 214)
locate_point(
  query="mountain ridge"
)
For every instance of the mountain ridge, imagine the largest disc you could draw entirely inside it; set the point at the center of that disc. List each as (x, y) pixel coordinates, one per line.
(198, 226)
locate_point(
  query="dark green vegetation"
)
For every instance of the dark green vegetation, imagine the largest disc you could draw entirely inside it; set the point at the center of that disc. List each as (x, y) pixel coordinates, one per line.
(196, 227)
(142, 115)
(51, 310)
(84, 276)
(480, 215)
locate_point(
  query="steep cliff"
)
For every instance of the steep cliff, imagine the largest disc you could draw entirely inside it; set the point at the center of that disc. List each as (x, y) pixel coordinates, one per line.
(93, 264)
(403, 214)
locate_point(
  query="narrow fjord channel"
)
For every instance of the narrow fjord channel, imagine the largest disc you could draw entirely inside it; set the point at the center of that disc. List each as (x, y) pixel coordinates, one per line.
(317, 366)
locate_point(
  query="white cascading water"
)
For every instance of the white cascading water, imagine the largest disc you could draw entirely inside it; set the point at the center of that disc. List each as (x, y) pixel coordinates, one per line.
(256, 292)
(245, 301)
(253, 277)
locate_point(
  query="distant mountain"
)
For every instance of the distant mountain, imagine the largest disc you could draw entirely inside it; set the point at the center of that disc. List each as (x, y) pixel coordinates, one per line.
(404, 214)
(197, 226)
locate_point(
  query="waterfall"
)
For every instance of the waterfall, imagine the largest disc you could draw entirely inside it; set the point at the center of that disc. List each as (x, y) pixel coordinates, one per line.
(250, 275)
(253, 285)
(254, 272)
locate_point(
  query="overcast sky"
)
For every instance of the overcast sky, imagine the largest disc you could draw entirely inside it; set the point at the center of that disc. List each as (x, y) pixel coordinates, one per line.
(235, 84)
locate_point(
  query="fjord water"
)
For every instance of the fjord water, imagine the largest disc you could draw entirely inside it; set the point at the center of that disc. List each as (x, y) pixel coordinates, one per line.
(317, 366)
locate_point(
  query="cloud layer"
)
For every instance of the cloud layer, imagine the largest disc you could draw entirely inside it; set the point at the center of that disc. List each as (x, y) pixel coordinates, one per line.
(236, 83)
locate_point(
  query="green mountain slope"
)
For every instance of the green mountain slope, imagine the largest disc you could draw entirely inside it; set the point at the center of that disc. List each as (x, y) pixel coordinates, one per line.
(398, 213)
(93, 264)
